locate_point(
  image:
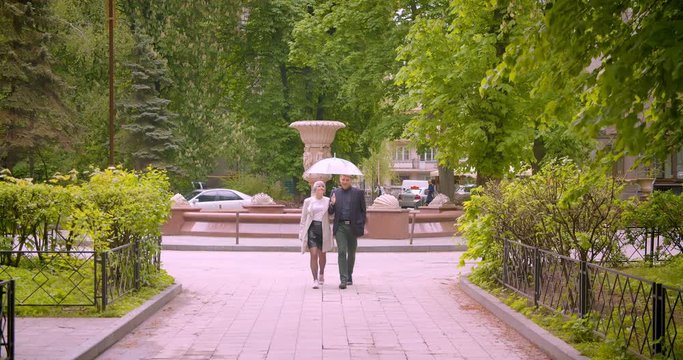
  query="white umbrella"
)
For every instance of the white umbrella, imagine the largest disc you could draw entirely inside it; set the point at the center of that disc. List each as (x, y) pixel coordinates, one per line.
(334, 166)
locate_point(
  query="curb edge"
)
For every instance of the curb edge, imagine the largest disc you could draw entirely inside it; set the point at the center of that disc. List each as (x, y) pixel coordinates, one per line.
(96, 346)
(544, 340)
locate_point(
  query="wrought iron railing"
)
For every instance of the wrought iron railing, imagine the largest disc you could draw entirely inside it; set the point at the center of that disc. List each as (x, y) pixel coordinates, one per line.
(81, 277)
(7, 319)
(126, 268)
(643, 315)
(52, 278)
(645, 244)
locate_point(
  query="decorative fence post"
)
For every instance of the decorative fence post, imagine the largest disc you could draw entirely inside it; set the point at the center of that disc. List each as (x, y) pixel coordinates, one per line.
(537, 276)
(658, 293)
(157, 257)
(653, 253)
(136, 263)
(104, 256)
(237, 228)
(584, 288)
(9, 318)
(506, 251)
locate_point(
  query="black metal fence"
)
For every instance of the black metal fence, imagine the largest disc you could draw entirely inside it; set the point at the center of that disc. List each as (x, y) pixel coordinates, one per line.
(127, 267)
(7, 319)
(80, 277)
(645, 244)
(644, 315)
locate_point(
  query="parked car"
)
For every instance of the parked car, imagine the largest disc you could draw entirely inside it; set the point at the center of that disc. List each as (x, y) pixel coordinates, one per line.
(412, 197)
(219, 199)
(463, 193)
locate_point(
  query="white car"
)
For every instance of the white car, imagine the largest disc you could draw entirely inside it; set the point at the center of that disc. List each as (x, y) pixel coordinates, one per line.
(218, 199)
(413, 198)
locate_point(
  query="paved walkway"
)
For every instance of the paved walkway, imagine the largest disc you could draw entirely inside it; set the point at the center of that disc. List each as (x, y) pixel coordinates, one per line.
(260, 306)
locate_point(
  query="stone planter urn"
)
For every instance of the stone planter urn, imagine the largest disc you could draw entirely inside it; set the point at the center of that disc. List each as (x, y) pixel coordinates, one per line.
(646, 185)
(317, 135)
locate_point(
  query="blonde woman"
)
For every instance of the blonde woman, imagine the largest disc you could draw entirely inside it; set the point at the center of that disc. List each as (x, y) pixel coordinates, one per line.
(315, 232)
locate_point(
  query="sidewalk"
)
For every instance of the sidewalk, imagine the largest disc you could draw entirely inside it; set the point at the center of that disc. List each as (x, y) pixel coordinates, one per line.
(81, 338)
(63, 338)
(203, 243)
(260, 305)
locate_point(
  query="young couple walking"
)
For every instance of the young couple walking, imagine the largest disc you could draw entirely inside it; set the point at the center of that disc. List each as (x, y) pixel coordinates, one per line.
(347, 204)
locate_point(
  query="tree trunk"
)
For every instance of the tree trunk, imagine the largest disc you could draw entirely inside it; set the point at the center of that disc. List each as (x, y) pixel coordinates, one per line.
(320, 109)
(539, 154)
(446, 182)
(285, 91)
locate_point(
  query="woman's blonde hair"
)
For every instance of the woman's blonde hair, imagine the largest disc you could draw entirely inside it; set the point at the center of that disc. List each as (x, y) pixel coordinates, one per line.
(317, 184)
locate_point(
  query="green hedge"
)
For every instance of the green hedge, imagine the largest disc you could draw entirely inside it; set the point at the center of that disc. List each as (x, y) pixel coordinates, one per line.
(110, 208)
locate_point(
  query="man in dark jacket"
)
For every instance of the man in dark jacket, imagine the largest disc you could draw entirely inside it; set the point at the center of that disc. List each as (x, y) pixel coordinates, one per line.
(348, 206)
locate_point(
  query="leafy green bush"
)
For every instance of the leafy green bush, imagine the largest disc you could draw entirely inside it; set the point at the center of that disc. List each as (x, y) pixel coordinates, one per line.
(116, 206)
(113, 207)
(562, 208)
(662, 211)
(251, 184)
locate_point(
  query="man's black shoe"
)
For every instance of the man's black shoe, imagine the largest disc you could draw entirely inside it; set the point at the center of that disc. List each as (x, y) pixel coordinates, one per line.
(342, 285)
(349, 282)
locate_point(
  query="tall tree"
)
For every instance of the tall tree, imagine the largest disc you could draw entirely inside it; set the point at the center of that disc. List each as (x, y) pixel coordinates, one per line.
(624, 59)
(33, 116)
(446, 60)
(81, 61)
(349, 47)
(147, 121)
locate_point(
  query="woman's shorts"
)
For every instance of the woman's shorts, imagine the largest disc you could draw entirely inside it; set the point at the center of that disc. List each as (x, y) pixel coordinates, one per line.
(315, 235)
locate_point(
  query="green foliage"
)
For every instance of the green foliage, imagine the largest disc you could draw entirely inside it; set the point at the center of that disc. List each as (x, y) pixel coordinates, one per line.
(80, 58)
(563, 208)
(349, 49)
(669, 273)
(576, 331)
(33, 115)
(113, 207)
(157, 282)
(29, 214)
(662, 211)
(622, 58)
(377, 168)
(117, 206)
(148, 123)
(446, 60)
(253, 184)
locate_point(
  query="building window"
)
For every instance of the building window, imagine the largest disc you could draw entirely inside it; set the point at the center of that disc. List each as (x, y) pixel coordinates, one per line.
(402, 154)
(428, 155)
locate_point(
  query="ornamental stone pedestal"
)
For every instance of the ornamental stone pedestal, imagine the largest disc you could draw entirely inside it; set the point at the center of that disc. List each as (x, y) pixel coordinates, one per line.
(386, 219)
(317, 136)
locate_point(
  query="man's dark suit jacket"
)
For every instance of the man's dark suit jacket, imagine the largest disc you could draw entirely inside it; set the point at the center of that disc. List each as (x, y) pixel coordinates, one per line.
(358, 213)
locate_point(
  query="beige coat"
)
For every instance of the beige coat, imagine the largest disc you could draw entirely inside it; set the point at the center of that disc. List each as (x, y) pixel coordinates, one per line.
(307, 219)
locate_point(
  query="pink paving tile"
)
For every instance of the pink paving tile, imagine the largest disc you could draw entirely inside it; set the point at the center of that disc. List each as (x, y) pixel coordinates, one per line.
(402, 304)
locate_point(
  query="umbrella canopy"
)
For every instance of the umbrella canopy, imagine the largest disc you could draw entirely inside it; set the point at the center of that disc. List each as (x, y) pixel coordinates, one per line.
(334, 166)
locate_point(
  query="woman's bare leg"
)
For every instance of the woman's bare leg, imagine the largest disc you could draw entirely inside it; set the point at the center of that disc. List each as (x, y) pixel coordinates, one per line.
(314, 262)
(322, 260)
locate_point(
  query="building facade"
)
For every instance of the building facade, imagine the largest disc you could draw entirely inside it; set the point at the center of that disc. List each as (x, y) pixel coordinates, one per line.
(409, 164)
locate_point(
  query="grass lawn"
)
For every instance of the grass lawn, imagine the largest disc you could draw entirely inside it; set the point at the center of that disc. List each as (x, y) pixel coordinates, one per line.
(72, 283)
(669, 273)
(578, 332)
